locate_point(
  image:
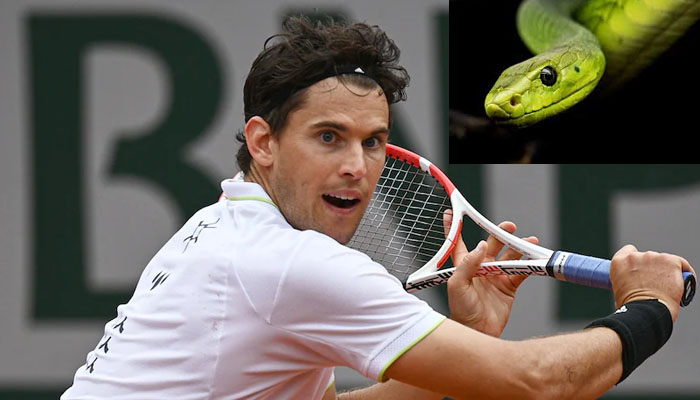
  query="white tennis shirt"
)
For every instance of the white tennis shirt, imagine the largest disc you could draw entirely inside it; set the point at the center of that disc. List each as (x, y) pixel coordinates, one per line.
(240, 305)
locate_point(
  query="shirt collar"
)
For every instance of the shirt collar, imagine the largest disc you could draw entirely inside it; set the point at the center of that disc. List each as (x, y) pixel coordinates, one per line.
(238, 190)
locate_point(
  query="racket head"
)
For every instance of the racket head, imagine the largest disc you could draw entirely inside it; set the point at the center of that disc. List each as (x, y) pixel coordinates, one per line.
(403, 227)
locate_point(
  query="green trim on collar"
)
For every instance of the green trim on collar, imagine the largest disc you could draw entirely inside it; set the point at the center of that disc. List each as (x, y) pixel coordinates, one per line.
(257, 198)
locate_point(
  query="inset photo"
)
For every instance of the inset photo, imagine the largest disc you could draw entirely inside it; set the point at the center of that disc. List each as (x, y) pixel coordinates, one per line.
(540, 81)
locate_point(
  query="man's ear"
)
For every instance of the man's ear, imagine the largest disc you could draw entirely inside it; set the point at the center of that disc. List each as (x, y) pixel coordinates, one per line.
(259, 139)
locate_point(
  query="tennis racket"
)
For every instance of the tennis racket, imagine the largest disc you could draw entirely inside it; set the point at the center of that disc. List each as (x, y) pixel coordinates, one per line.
(403, 230)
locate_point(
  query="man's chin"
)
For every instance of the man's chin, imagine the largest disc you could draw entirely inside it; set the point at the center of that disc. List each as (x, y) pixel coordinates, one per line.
(343, 237)
(340, 230)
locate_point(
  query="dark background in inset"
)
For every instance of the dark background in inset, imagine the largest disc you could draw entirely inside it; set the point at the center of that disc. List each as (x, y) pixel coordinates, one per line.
(653, 118)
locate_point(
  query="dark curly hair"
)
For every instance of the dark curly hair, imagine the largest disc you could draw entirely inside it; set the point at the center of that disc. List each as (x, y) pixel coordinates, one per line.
(307, 53)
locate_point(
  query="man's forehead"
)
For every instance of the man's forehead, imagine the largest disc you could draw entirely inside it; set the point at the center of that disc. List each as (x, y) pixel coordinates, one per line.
(329, 93)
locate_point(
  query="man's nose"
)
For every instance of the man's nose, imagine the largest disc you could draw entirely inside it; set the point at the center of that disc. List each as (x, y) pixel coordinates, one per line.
(354, 163)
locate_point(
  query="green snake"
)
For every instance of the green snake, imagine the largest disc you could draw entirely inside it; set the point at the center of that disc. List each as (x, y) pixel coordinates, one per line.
(579, 43)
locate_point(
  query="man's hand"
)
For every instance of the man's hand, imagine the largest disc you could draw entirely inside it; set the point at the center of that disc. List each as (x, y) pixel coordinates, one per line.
(483, 303)
(647, 275)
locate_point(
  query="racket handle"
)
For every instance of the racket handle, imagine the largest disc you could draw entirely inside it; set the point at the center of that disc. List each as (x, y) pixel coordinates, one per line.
(595, 272)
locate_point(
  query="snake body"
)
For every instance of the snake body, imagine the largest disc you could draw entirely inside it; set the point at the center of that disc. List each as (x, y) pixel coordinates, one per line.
(579, 44)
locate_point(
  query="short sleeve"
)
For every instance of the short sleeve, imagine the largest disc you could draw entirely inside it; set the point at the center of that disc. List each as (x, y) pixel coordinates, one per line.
(347, 308)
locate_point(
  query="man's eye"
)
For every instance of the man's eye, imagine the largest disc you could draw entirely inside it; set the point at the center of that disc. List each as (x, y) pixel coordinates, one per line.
(327, 137)
(371, 142)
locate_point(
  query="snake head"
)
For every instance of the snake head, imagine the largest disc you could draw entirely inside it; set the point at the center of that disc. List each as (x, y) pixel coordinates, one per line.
(545, 84)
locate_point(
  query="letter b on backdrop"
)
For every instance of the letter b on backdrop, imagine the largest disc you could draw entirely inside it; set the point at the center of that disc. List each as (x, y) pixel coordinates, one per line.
(57, 47)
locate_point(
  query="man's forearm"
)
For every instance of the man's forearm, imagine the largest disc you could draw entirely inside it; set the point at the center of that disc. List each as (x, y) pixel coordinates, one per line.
(573, 371)
(462, 363)
(390, 390)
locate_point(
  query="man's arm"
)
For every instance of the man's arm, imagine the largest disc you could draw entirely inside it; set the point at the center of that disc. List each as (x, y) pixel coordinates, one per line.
(462, 362)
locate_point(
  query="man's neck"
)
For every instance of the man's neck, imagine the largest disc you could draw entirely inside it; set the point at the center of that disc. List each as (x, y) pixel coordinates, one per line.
(255, 175)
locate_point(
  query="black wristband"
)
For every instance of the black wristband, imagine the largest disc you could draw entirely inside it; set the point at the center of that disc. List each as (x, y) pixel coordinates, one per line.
(643, 326)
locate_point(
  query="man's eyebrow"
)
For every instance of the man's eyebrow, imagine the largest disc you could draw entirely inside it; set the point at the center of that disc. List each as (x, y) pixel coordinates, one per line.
(343, 128)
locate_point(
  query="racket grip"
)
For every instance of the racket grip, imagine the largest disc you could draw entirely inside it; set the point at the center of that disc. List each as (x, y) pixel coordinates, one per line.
(595, 272)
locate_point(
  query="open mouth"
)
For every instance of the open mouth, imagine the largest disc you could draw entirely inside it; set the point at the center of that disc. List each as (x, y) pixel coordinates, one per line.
(341, 201)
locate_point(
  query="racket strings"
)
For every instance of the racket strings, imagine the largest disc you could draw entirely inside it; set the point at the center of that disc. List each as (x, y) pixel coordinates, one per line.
(402, 228)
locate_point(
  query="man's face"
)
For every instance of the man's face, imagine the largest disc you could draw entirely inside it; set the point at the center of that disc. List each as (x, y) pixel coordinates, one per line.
(329, 157)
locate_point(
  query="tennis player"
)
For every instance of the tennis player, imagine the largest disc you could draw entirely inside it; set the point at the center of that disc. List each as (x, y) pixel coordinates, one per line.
(256, 297)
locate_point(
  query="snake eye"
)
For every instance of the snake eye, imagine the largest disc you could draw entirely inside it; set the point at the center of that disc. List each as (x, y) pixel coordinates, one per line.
(548, 76)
